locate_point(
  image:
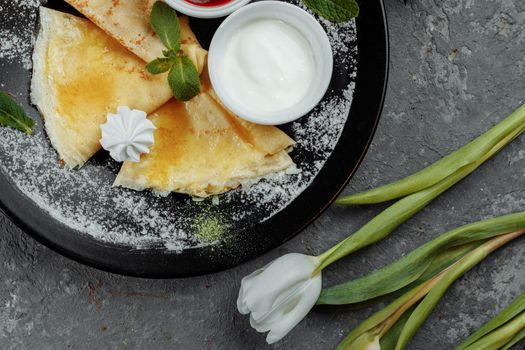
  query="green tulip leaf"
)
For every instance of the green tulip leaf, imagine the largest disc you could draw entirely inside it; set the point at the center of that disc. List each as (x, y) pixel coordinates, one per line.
(514, 309)
(427, 305)
(411, 267)
(445, 167)
(389, 340)
(518, 337)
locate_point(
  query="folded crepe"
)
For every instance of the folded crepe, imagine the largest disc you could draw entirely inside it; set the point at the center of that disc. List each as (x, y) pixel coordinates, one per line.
(128, 22)
(200, 148)
(79, 75)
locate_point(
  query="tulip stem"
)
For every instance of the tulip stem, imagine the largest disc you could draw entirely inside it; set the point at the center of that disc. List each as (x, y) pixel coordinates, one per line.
(442, 168)
(426, 294)
(454, 272)
(501, 336)
(421, 292)
(509, 319)
(395, 215)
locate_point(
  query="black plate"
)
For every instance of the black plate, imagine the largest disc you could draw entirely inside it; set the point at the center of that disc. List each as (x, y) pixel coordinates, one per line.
(156, 261)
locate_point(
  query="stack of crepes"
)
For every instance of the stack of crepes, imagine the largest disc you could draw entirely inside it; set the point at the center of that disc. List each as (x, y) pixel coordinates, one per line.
(84, 69)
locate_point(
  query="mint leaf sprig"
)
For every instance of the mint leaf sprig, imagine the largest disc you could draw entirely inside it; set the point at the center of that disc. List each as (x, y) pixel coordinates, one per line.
(12, 115)
(336, 11)
(183, 76)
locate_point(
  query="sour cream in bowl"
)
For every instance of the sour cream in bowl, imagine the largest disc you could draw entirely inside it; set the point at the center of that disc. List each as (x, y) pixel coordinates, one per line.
(270, 62)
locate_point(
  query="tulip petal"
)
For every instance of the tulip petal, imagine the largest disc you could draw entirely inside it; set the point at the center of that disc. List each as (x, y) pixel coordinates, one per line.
(280, 295)
(311, 292)
(245, 284)
(275, 279)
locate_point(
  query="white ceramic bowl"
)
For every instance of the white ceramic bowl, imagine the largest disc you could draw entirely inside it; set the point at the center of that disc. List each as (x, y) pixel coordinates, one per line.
(305, 24)
(206, 12)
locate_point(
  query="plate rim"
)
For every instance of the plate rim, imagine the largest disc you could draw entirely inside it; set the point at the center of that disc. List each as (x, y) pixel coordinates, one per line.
(12, 208)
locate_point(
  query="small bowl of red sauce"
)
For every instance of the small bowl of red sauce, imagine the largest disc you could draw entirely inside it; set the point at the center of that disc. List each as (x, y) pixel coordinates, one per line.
(207, 8)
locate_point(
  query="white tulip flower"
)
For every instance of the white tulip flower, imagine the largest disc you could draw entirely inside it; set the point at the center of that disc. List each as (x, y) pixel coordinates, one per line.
(281, 294)
(375, 345)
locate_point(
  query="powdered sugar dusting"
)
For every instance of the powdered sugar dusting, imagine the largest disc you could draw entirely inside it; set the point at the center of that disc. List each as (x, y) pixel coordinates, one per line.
(85, 200)
(16, 43)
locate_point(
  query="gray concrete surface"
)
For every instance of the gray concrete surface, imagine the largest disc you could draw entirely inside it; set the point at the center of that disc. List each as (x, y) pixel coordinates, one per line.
(457, 67)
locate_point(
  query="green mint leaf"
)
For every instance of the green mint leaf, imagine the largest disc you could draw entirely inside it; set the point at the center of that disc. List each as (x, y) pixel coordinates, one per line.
(336, 11)
(184, 79)
(171, 54)
(159, 65)
(165, 23)
(11, 114)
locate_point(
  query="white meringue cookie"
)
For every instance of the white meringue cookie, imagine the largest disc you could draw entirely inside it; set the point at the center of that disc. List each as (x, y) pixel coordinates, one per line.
(127, 134)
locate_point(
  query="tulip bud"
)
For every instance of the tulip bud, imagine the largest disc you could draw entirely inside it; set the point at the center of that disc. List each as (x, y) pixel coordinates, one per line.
(280, 295)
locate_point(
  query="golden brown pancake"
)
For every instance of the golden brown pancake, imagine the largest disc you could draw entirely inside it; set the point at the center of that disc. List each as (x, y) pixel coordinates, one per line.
(128, 22)
(80, 74)
(201, 149)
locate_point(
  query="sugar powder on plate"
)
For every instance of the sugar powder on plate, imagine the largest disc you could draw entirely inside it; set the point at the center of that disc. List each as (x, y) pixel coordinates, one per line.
(85, 200)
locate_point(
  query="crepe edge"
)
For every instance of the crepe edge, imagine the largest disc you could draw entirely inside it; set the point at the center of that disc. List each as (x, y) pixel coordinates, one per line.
(43, 95)
(274, 164)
